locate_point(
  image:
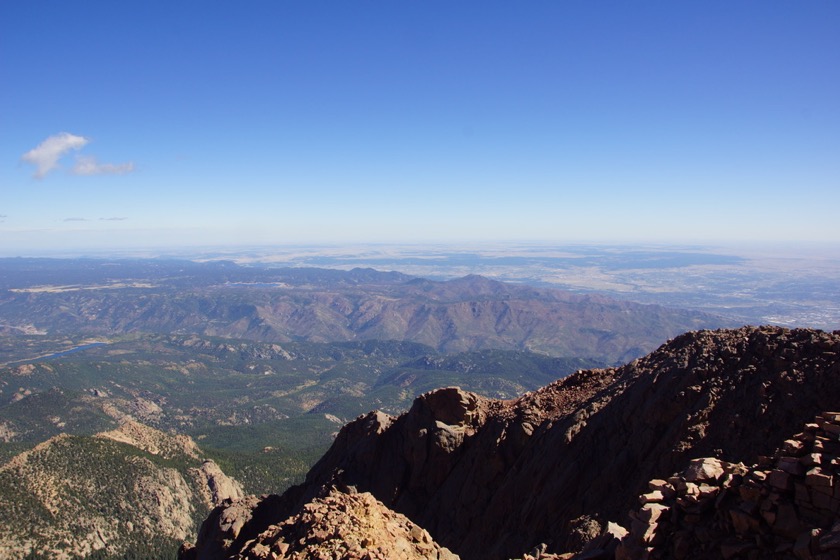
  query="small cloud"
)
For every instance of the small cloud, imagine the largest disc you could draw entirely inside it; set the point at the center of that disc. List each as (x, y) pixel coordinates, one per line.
(46, 155)
(87, 165)
(115, 219)
(75, 219)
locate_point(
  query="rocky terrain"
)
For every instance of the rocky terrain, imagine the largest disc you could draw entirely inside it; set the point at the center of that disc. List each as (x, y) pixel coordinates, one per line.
(132, 490)
(787, 504)
(557, 470)
(340, 525)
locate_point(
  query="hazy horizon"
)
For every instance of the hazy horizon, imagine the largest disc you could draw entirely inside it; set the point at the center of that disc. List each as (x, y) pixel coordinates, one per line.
(790, 285)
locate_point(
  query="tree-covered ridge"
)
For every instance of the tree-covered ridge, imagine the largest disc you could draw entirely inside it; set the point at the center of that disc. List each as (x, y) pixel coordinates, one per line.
(195, 385)
(113, 298)
(94, 497)
(264, 412)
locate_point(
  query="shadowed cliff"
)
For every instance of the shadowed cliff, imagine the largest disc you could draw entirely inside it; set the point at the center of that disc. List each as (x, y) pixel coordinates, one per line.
(493, 479)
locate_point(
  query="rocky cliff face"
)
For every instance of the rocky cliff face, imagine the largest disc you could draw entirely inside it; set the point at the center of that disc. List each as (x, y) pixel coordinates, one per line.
(127, 490)
(494, 479)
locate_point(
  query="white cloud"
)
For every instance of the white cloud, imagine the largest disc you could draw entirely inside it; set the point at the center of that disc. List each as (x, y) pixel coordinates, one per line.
(87, 165)
(46, 155)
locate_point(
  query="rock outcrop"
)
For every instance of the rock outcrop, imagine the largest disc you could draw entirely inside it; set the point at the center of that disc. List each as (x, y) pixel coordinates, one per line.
(342, 526)
(216, 487)
(152, 440)
(495, 479)
(113, 494)
(787, 505)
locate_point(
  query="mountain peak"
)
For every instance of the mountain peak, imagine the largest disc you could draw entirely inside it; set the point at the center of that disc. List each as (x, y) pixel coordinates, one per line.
(350, 526)
(493, 479)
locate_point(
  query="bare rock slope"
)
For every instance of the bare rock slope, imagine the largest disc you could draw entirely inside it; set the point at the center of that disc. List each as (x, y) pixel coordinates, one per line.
(787, 505)
(494, 479)
(133, 488)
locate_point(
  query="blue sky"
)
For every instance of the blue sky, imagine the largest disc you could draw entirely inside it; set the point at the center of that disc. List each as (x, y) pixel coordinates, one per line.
(162, 124)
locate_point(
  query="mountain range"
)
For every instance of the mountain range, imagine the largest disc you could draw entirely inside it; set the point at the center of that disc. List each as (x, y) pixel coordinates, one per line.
(726, 438)
(108, 298)
(112, 371)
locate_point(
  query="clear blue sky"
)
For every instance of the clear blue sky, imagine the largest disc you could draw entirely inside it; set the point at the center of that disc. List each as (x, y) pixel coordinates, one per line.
(146, 123)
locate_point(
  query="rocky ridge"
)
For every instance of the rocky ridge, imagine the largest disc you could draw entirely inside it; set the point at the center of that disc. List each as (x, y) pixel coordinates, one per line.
(786, 505)
(151, 440)
(129, 489)
(341, 525)
(495, 479)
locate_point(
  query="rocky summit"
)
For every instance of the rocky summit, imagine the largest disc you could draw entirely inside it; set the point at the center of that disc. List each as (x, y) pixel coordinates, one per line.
(558, 473)
(341, 525)
(787, 504)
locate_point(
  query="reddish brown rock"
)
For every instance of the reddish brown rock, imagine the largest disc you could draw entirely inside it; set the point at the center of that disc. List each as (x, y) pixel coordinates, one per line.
(803, 523)
(493, 480)
(343, 526)
(706, 468)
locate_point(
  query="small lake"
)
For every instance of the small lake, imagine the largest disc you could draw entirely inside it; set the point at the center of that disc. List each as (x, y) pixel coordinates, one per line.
(69, 351)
